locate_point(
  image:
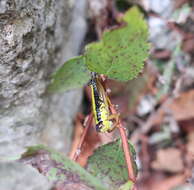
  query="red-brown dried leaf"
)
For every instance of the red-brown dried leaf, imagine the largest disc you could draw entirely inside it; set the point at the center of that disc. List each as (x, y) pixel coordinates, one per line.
(91, 141)
(169, 160)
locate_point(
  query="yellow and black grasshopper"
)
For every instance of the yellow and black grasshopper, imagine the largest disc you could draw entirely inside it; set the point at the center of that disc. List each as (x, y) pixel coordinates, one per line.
(100, 106)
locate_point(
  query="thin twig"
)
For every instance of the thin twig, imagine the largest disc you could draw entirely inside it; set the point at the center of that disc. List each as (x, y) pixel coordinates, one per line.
(88, 124)
(127, 154)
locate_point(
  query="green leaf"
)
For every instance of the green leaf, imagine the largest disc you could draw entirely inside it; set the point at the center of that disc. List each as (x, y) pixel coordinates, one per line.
(119, 55)
(121, 52)
(108, 164)
(72, 74)
(59, 168)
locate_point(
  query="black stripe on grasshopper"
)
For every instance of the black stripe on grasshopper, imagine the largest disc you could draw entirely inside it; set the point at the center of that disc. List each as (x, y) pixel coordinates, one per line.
(97, 99)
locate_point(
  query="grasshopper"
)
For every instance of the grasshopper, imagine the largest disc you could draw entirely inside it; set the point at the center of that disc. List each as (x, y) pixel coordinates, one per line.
(100, 106)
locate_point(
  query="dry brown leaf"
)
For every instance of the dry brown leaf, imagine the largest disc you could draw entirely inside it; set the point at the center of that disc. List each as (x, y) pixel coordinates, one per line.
(161, 54)
(91, 141)
(187, 126)
(78, 130)
(180, 108)
(168, 183)
(168, 160)
(188, 45)
(90, 144)
(159, 181)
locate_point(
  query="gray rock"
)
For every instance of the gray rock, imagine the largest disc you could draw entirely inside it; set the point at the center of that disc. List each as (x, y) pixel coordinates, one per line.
(161, 35)
(28, 179)
(184, 187)
(164, 8)
(36, 36)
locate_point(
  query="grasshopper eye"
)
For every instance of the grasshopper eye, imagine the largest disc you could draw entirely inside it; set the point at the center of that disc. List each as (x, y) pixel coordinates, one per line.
(99, 126)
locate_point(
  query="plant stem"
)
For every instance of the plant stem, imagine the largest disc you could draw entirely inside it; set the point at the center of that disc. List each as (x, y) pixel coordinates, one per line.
(127, 154)
(88, 124)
